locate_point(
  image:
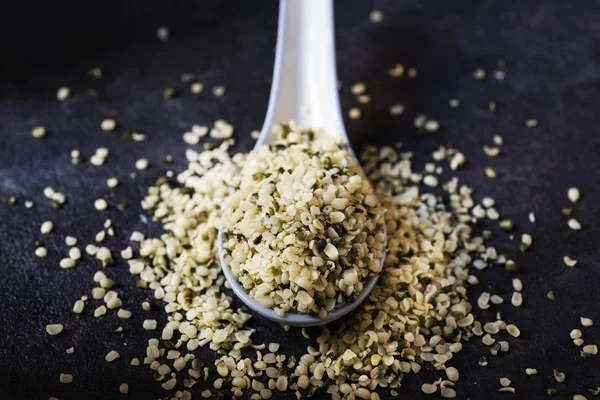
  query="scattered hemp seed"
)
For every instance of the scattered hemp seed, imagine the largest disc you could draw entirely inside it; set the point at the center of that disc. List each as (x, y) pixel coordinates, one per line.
(67, 263)
(54, 329)
(590, 349)
(579, 397)
(197, 88)
(511, 266)
(376, 16)
(123, 388)
(574, 224)
(111, 356)
(163, 33)
(531, 217)
(123, 314)
(454, 103)
(567, 211)
(531, 371)
(41, 252)
(492, 106)
(95, 73)
(526, 242)
(78, 307)
(218, 91)
(100, 311)
(396, 109)
(491, 151)
(396, 71)
(429, 388)
(569, 261)
(66, 378)
(490, 173)
(47, 227)
(141, 164)
(354, 113)
(551, 391)
(122, 206)
(586, 321)
(28, 204)
(364, 99)
(38, 132)
(112, 182)
(70, 350)
(479, 74)
(169, 93)
(358, 88)
(255, 134)
(513, 330)
(100, 204)
(498, 140)
(432, 126)
(70, 241)
(412, 73)
(531, 123)
(559, 376)
(149, 324)
(63, 93)
(108, 125)
(551, 295)
(505, 382)
(575, 334)
(573, 194)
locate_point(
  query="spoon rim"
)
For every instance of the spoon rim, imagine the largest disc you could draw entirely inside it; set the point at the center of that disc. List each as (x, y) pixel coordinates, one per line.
(289, 318)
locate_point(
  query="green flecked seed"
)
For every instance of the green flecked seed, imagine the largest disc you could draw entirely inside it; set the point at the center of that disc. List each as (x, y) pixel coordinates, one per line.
(551, 295)
(169, 93)
(566, 211)
(511, 266)
(122, 206)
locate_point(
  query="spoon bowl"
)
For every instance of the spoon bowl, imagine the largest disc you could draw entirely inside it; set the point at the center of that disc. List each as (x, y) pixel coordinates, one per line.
(304, 90)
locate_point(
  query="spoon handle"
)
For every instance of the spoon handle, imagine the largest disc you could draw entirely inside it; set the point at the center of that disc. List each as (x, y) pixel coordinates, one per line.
(304, 87)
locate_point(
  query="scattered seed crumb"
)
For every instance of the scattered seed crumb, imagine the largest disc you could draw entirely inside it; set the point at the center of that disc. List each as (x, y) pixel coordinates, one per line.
(41, 252)
(66, 378)
(454, 103)
(574, 224)
(569, 261)
(163, 33)
(432, 126)
(123, 388)
(551, 295)
(396, 71)
(531, 123)
(63, 93)
(47, 227)
(531, 371)
(108, 125)
(491, 173)
(54, 329)
(573, 194)
(354, 113)
(38, 132)
(479, 74)
(112, 355)
(376, 16)
(219, 91)
(141, 164)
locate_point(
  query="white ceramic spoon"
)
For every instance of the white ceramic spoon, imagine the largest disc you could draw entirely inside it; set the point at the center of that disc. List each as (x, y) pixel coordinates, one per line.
(304, 90)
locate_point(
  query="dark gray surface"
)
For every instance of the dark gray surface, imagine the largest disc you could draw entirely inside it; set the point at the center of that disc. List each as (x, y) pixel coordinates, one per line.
(553, 48)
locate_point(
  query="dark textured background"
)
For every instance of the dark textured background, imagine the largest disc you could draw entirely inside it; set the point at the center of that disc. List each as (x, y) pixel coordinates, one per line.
(553, 48)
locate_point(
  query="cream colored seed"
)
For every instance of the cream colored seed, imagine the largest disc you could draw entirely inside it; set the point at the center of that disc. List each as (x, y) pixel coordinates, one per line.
(141, 164)
(531, 123)
(569, 261)
(74, 253)
(579, 397)
(66, 378)
(590, 349)
(100, 311)
(448, 393)
(100, 204)
(517, 284)
(78, 307)
(219, 91)
(354, 113)
(163, 33)
(63, 93)
(586, 321)
(490, 173)
(67, 263)
(559, 376)
(149, 324)
(396, 109)
(531, 371)
(513, 330)
(428, 388)
(491, 151)
(112, 182)
(123, 388)
(432, 126)
(46, 227)
(112, 355)
(452, 374)
(376, 16)
(108, 125)
(197, 87)
(54, 329)
(70, 241)
(41, 252)
(505, 382)
(412, 73)
(573, 194)
(531, 217)
(479, 74)
(574, 224)
(38, 132)
(517, 299)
